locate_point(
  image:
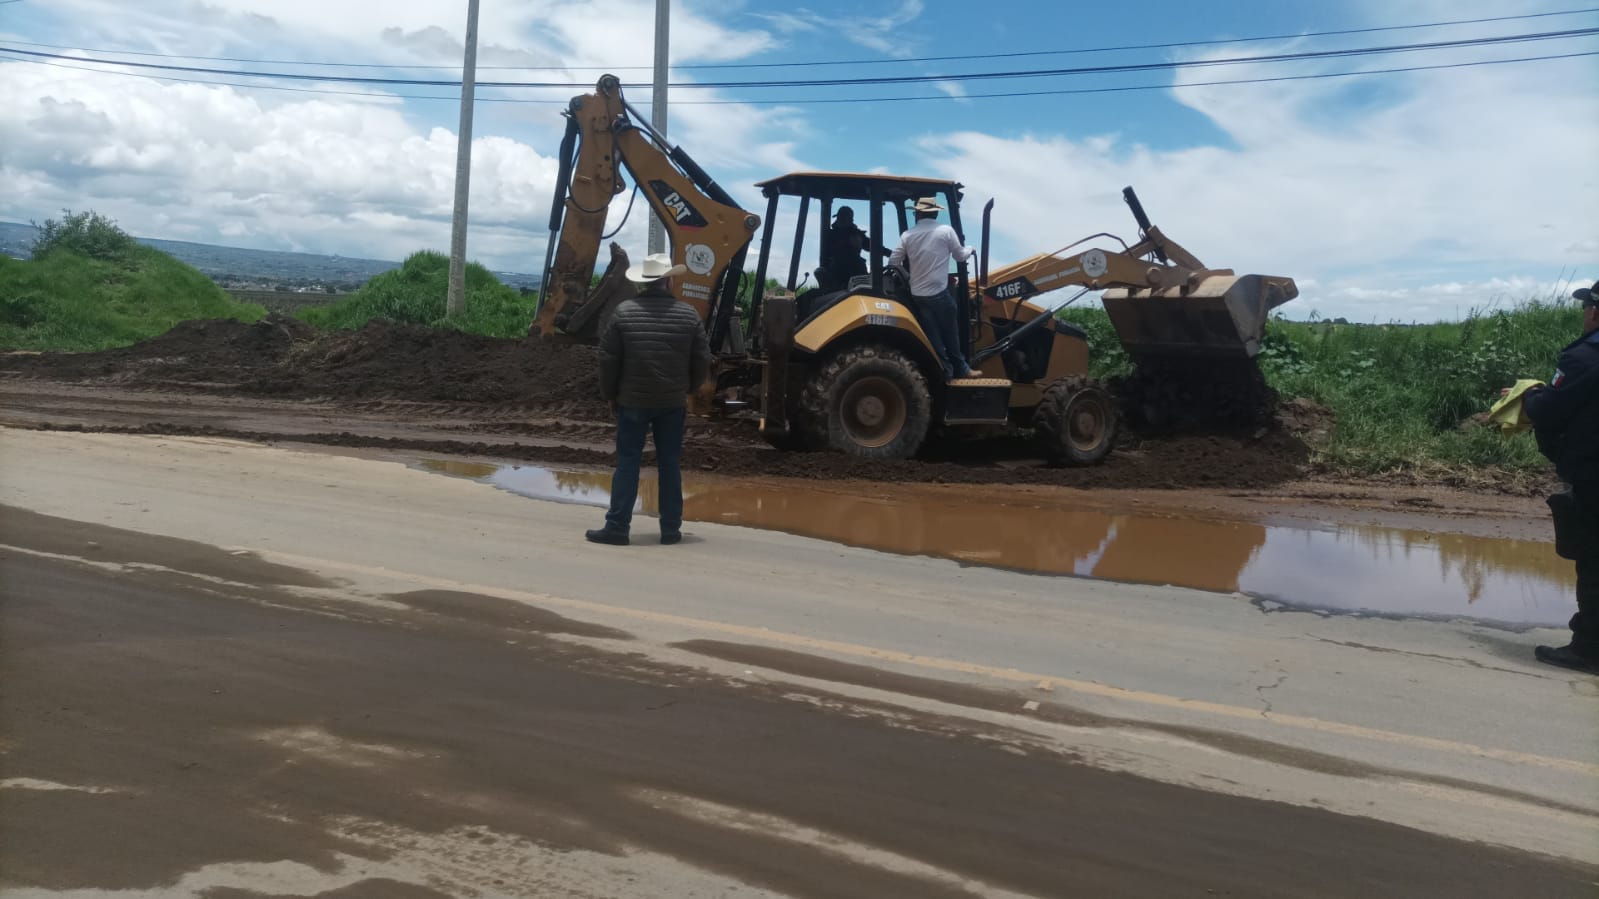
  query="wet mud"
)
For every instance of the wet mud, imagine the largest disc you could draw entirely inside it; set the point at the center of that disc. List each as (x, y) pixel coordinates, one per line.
(237, 730)
(284, 357)
(503, 613)
(1036, 705)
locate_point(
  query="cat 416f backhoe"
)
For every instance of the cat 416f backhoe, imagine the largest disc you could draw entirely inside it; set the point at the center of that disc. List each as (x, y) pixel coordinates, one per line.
(851, 369)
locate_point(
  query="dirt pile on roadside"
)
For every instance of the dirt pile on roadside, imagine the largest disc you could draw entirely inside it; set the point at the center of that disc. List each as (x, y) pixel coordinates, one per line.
(384, 360)
(1308, 420)
(215, 351)
(477, 379)
(284, 357)
(1170, 462)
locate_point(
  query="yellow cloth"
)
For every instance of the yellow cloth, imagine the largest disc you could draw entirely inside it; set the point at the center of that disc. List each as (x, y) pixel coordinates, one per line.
(1507, 413)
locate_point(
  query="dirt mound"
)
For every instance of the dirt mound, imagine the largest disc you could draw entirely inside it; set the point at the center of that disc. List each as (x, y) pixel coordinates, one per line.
(388, 360)
(477, 379)
(1175, 462)
(1308, 420)
(285, 357)
(1176, 396)
(194, 351)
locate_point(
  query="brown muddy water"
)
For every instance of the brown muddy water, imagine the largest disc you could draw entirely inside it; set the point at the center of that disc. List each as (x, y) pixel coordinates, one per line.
(1352, 570)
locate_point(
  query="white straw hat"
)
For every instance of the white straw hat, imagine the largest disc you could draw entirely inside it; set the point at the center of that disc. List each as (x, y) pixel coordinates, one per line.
(654, 267)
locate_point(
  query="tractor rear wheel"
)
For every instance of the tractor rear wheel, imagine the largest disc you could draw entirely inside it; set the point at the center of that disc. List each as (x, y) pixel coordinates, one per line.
(1076, 422)
(870, 401)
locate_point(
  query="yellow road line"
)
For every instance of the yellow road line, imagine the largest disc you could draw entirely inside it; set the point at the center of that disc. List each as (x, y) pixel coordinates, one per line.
(856, 650)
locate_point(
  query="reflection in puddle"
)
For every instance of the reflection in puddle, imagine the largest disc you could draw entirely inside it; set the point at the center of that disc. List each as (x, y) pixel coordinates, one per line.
(1371, 569)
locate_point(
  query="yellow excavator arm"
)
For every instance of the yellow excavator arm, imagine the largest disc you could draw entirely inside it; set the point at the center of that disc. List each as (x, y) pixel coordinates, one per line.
(1161, 299)
(708, 232)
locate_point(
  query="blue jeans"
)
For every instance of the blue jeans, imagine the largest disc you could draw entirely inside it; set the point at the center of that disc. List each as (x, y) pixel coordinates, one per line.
(632, 425)
(940, 321)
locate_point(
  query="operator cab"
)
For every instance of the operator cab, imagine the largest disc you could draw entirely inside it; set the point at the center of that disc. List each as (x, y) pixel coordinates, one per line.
(878, 202)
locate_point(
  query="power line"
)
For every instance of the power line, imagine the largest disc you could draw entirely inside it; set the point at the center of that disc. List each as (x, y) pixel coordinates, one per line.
(271, 87)
(821, 100)
(876, 80)
(1163, 66)
(1150, 87)
(1114, 49)
(850, 62)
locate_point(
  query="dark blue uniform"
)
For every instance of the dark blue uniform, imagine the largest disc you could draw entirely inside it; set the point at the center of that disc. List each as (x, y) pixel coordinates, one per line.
(1565, 415)
(1565, 419)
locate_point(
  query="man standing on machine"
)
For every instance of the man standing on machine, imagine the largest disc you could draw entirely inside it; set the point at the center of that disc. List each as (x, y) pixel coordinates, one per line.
(925, 251)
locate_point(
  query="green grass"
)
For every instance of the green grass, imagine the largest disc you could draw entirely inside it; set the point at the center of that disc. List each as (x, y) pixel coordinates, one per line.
(415, 292)
(65, 301)
(1399, 393)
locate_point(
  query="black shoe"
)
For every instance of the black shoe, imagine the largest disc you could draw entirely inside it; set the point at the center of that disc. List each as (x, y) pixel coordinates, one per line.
(1567, 657)
(610, 538)
(671, 539)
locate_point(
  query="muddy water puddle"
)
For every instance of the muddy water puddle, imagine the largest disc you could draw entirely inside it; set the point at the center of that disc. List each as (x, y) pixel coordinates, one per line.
(1356, 569)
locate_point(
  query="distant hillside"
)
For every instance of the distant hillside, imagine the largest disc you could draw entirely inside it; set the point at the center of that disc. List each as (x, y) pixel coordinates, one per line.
(266, 269)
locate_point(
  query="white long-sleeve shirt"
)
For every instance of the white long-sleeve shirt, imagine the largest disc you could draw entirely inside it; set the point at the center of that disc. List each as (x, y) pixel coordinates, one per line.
(925, 250)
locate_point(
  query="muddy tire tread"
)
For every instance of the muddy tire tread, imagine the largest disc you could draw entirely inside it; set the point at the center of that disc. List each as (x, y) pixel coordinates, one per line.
(1049, 421)
(818, 405)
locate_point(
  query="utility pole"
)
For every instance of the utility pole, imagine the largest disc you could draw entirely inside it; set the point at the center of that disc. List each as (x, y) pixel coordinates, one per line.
(663, 9)
(455, 301)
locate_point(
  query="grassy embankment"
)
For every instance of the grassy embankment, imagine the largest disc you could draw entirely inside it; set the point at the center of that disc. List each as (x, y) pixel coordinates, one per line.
(89, 286)
(415, 292)
(1400, 394)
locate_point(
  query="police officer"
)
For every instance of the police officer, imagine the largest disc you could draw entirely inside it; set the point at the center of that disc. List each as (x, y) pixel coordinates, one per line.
(1565, 419)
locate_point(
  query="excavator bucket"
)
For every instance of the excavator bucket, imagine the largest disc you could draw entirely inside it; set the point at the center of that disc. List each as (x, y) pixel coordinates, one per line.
(588, 321)
(1222, 317)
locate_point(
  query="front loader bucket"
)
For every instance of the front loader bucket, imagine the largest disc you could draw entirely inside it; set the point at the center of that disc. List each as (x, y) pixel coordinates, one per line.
(1223, 317)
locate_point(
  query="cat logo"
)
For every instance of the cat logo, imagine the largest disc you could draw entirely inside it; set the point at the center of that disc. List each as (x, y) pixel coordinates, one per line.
(684, 214)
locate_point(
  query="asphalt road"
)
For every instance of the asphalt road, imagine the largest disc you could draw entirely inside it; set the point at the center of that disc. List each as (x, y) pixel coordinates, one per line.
(229, 670)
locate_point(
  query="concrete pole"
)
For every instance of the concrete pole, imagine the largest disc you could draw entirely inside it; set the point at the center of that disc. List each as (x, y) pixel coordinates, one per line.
(455, 301)
(663, 9)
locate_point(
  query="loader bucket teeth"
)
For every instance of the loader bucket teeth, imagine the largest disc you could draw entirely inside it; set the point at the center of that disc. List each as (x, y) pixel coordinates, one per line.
(1224, 316)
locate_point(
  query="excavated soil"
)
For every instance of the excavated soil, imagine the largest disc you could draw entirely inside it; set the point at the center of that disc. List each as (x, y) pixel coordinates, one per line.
(553, 387)
(284, 357)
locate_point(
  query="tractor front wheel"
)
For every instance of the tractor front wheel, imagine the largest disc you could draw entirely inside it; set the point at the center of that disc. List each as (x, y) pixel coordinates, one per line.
(1076, 422)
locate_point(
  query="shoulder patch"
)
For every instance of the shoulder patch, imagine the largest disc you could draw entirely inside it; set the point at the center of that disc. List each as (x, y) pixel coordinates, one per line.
(1559, 376)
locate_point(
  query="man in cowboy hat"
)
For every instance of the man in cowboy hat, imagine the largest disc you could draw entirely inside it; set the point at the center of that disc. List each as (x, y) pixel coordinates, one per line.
(1565, 419)
(925, 250)
(653, 354)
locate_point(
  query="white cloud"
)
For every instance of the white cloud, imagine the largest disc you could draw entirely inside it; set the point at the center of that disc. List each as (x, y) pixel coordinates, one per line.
(1397, 196)
(370, 177)
(1446, 300)
(1448, 172)
(353, 176)
(883, 32)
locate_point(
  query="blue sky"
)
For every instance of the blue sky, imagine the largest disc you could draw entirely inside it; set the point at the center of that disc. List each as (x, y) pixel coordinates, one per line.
(1405, 196)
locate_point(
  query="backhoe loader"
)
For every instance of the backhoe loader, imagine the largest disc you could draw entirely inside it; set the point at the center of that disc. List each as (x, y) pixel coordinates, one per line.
(850, 368)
